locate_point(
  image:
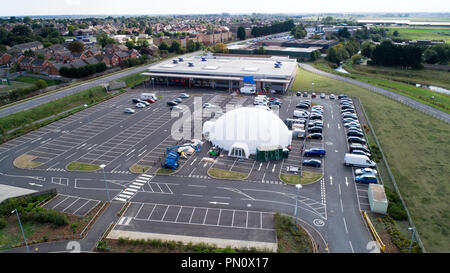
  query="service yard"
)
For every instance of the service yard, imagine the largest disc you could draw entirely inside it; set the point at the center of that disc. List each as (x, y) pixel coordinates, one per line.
(104, 154)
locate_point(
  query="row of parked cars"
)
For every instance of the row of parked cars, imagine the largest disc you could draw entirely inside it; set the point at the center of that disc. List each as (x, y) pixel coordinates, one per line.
(174, 103)
(359, 154)
(145, 100)
(314, 95)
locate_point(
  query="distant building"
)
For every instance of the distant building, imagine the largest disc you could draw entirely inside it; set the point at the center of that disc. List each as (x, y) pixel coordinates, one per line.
(33, 46)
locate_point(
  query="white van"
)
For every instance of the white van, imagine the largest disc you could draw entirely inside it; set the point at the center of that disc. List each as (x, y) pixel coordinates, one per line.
(355, 160)
(300, 114)
(248, 89)
(146, 96)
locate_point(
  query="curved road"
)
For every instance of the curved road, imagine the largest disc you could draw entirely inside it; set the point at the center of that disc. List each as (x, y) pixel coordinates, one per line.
(395, 96)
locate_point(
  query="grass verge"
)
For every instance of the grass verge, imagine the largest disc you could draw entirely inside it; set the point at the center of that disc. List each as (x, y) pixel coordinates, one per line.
(82, 167)
(306, 178)
(416, 147)
(164, 171)
(138, 168)
(224, 174)
(291, 238)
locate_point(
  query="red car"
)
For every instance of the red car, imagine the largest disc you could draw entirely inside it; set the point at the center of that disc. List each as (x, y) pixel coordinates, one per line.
(313, 95)
(150, 100)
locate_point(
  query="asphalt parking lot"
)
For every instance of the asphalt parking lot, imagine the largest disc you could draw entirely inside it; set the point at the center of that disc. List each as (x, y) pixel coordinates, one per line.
(71, 204)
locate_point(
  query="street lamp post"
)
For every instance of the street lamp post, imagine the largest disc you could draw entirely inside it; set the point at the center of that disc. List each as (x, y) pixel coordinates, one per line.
(412, 237)
(23, 233)
(153, 83)
(298, 186)
(106, 183)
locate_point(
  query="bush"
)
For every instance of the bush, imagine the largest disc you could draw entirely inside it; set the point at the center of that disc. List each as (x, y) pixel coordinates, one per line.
(3, 223)
(395, 207)
(41, 84)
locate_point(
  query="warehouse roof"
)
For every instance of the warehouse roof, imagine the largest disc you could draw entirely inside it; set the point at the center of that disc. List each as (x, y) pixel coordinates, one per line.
(262, 68)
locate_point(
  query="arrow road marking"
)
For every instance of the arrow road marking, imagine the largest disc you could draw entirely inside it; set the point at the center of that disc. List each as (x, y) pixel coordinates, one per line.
(331, 180)
(218, 203)
(346, 181)
(34, 184)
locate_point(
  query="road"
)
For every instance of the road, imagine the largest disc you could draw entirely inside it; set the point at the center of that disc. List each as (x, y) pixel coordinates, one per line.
(400, 98)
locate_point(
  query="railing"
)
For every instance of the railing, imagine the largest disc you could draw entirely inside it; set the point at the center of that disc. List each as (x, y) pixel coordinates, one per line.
(374, 232)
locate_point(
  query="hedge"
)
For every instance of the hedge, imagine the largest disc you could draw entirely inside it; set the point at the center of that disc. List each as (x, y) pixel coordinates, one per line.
(84, 71)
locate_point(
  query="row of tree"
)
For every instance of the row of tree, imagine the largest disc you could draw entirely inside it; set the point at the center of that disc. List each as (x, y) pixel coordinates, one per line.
(342, 51)
(277, 27)
(23, 34)
(191, 46)
(84, 71)
(389, 54)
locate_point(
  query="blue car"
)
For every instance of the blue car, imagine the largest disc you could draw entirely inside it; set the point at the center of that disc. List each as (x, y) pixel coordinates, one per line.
(366, 179)
(312, 163)
(315, 152)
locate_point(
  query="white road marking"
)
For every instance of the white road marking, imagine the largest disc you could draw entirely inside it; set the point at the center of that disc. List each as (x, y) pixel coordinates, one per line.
(345, 225)
(140, 180)
(339, 189)
(146, 175)
(331, 180)
(200, 186)
(346, 181)
(190, 175)
(135, 187)
(342, 206)
(351, 246)
(142, 153)
(260, 165)
(273, 170)
(219, 203)
(195, 159)
(192, 195)
(131, 190)
(131, 152)
(120, 199)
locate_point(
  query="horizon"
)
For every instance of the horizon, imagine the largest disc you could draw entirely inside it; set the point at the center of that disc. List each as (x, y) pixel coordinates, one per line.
(22, 8)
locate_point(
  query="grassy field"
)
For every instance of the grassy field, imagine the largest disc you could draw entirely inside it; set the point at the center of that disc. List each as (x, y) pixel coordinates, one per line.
(224, 174)
(417, 148)
(394, 80)
(14, 85)
(421, 33)
(33, 80)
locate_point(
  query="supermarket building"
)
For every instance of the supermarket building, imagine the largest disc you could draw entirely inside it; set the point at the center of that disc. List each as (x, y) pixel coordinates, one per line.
(225, 72)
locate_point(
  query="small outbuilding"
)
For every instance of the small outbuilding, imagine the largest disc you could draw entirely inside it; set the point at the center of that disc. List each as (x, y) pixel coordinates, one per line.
(377, 198)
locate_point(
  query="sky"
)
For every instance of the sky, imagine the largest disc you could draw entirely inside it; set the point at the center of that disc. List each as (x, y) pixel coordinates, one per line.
(151, 7)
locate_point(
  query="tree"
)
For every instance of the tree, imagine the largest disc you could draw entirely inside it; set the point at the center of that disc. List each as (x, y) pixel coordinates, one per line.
(438, 53)
(344, 33)
(395, 33)
(199, 45)
(149, 31)
(27, 20)
(241, 33)
(299, 32)
(41, 84)
(21, 30)
(315, 55)
(175, 46)
(163, 46)
(28, 53)
(220, 48)
(356, 59)
(190, 47)
(367, 49)
(104, 40)
(76, 46)
(130, 44)
(261, 50)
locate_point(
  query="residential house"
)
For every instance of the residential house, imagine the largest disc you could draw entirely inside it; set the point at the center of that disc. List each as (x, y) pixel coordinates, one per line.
(64, 56)
(77, 63)
(54, 67)
(91, 60)
(92, 51)
(38, 65)
(25, 63)
(111, 60)
(33, 46)
(123, 56)
(5, 58)
(78, 55)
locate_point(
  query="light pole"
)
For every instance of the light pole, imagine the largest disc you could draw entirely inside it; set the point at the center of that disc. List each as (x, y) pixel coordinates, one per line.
(153, 83)
(412, 237)
(23, 233)
(106, 183)
(298, 186)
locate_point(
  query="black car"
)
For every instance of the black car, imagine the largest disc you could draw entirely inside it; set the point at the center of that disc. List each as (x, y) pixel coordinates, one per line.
(345, 107)
(355, 134)
(314, 117)
(356, 140)
(314, 124)
(315, 129)
(172, 103)
(356, 146)
(299, 94)
(341, 96)
(352, 111)
(361, 152)
(136, 100)
(305, 94)
(355, 130)
(178, 100)
(302, 106)
(312, 163)
(315, 136)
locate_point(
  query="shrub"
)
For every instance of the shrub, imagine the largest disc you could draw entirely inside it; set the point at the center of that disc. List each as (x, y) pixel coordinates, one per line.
(74, 227)
(41, 84)
(3, 223)
(395, 207)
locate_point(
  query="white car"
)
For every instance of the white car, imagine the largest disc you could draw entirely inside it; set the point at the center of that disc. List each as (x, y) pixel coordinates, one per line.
(263, 107)
(128, 111)
(140, 105)
(209, 105)
(177, 108)
(365, 171)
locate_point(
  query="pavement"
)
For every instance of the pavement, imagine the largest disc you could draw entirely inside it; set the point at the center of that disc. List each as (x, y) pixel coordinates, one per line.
(429, 110)
(188, 203)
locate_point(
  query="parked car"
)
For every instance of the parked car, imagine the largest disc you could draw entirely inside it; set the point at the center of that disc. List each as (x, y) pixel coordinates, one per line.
(315, 129)
(178, 100)
(302, 106)
(305, 94)
(352, 124)
(355, 133)
(315, 136)
(177, 108)
(348, 111)
(300, 114)
(341, 96)
(355, 160)
(150, 100)
(347, 120)
(298, 94)
(350, 116)
(315, 152)
(332, 97)
(365, 171)
(354, 129)
(322, 96)
(172, 103)
(361, 152)
(313, 95)
(359, 146)
(140, 105)
(313, 117)
(345, 107)
(314, 124)
(145, 103)
(128, 111)
(209, 105)
(312, 163)
(184, 96)
(356, 140)
(366, 179)
(136, 100)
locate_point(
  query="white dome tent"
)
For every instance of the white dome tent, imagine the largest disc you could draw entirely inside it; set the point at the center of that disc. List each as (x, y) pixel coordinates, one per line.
(242, 130)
